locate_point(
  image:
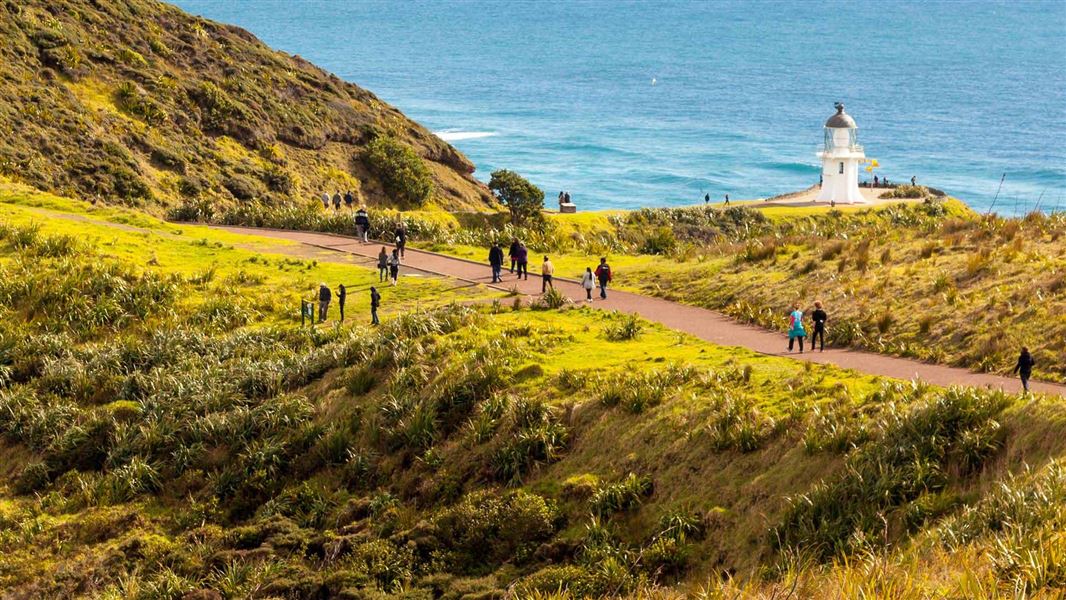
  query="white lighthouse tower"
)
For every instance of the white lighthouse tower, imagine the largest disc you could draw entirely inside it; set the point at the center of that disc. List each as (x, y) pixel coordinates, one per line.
(841, 158)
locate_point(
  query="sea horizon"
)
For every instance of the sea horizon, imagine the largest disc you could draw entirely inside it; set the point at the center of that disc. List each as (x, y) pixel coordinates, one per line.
(626, 105)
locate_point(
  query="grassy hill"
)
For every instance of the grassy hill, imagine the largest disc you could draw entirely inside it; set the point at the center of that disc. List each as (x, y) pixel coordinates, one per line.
(136, 102)
(170, 430)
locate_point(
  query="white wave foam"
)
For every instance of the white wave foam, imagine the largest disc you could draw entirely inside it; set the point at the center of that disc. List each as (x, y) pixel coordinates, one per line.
(451, 135)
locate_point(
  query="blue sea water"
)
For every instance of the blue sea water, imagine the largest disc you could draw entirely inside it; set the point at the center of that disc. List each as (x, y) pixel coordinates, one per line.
(628, 104)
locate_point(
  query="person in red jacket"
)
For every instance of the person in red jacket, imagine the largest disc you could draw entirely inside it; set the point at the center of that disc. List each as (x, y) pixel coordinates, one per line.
(603, 274)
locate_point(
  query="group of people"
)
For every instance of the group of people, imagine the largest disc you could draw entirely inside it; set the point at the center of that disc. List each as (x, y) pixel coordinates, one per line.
(348, 198)
(564, 198)
(519, 256)
(325, 296)
(389, 265)
(707, 199)
(797, 332)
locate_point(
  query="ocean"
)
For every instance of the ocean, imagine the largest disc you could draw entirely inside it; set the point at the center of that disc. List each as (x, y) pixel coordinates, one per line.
(629, 104)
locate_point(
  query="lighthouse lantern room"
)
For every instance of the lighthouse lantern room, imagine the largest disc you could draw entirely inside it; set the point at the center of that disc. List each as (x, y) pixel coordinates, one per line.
(841, 157)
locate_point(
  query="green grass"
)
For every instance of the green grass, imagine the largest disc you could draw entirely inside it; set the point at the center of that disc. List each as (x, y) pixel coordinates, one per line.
(181, 430)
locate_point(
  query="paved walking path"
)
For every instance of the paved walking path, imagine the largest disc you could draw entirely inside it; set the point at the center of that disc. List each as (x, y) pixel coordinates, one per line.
(700, 322)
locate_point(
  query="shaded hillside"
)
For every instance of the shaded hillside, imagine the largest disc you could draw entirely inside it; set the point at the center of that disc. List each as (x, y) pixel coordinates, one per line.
(139, 103)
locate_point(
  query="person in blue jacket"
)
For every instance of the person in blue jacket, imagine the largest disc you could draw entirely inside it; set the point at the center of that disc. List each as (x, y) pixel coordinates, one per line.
(795, 328)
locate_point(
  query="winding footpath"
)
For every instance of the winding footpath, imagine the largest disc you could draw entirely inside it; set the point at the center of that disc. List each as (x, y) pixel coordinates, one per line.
(700, 322)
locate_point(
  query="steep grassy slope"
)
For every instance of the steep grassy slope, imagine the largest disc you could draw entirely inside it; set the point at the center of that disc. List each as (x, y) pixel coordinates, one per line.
(166, 431)
(140, 103)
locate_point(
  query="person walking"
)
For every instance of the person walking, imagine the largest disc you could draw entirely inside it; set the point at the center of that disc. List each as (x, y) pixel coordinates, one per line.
(819, 317)
(337, 200)
(877, 181)
(342, 295)
(394, 266)
(547, 269)
(512, 253)
(727, 199)
(496, 261)
(383, 265)
(522, 258)
(325, 200)
(401, 237)
(375, 302)
(362, 224)
(324, 296)
(795, 328)
(349, 199)
(1024, 368)
(604, 276)
(706, 198)
(914, 180)
(588, 281)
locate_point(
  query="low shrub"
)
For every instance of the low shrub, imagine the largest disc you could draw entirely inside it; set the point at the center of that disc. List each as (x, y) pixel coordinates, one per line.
(629, 327)
(621, 496)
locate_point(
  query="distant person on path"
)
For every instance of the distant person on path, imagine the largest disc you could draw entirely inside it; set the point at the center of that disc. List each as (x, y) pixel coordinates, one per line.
(727, 199)
(496, 261)
(522, 258)
(383, 265)
(325, 200)
(342, 295)
(914, 180)
(349, 199)
(876, 181)
(795, 328)
(603, 274)
(588, 281)
(375, 302)
(513, 253)
(547, 269)
(401, 238)
(1024, 368)
(394, 266)
(337, 200)
(362, 224)
(819, 317)
(324, 296)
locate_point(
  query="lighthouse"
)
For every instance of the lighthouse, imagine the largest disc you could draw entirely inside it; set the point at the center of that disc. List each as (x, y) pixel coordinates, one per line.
(841, 157)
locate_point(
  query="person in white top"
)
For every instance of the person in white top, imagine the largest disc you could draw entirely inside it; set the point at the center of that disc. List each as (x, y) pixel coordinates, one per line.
(588, 281)
(547, 269)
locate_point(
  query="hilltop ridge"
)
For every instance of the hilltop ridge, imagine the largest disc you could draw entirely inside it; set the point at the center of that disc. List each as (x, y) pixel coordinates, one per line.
(139, 103)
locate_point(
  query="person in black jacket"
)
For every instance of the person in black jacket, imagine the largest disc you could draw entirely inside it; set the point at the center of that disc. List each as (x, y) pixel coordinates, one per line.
(1024, 368)
(375, 302)
(342, 294)
(324, 296)
(362, 224)
(401, 238)
(496, 261)
(513, 253)
(819, 317)
(348, 199)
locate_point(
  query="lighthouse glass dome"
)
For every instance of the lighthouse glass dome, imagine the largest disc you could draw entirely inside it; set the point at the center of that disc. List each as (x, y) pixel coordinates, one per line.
(845, 138)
